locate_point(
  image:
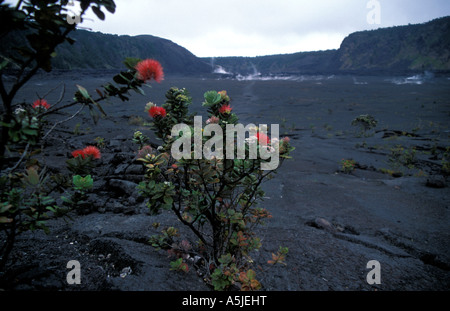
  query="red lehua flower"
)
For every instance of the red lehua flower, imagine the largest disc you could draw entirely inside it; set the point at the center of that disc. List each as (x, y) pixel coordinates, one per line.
(142, 153)
(78, 153)
(212, 120)
(92, 151)
(150, 69)
(88, 151)
(41, 103)
(157, 111)
(225, 109)
(263, 139)
(286, 140)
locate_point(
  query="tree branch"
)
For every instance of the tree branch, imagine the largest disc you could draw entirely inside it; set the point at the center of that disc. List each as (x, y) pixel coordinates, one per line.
(63, 121)
(196, 232)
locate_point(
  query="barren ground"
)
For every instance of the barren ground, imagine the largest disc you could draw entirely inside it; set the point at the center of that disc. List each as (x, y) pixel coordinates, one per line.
(333, 223)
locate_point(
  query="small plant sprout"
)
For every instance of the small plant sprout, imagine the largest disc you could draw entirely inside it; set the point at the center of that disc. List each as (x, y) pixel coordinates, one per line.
(348, 165)
(365, 122)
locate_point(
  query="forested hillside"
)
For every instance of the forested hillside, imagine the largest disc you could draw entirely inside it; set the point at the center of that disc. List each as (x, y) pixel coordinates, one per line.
(394, 50)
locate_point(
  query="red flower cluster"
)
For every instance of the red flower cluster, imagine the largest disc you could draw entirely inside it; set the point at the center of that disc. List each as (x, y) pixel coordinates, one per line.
(225, 109)
(213, 120)
(263, 139)
(144, 151)
(86, 152)
(41, 103)
(157, 111)
(150, 69)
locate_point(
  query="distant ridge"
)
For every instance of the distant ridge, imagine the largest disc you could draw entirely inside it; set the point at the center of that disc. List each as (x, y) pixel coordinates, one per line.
(393, 50)
(95, 50)
(413, 48)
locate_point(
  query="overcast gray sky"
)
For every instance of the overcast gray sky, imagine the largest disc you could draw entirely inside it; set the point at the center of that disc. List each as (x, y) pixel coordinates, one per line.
(261, 27)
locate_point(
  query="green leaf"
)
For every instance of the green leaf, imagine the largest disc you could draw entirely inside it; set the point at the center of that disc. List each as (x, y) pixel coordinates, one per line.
(70, 40)
(83, 92)
(123, 98)
(251, 274)
(110, 88)
(30, 132)
(94, 114)
(99, 108)
(226, 259)
(5, 220)
(139, 90)
(5, 207)
(66, 200)
(211, 98)
(178, 265)
(47, 200)
(4, 64)
(168, 200)
(32, 177)
(111, 7)
(120, 79)
(10, 125)
(98, 12)
(131, 62)
(52, 209)
(157, 196)
(83, 182)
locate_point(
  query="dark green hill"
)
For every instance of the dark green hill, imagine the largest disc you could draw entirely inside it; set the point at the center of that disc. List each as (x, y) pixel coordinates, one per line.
(404, 48)
(394, 50)
(104, 51)
(96, 50)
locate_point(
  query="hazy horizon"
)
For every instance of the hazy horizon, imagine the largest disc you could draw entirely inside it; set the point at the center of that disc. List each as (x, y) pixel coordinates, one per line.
(218, 28)
(215, 28)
